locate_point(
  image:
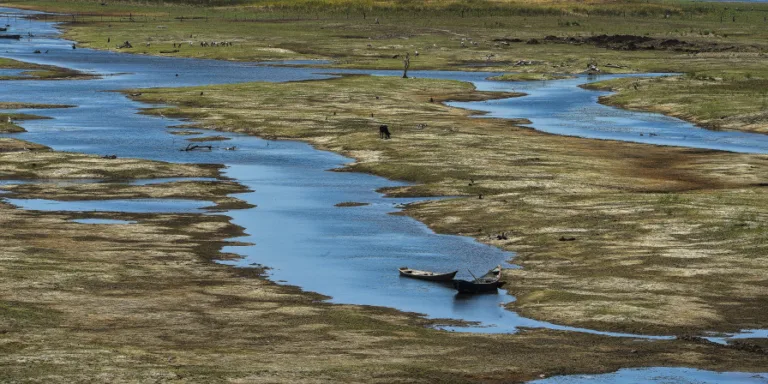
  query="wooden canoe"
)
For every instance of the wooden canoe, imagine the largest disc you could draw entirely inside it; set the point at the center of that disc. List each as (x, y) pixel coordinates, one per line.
(484, 284)
(426, 275)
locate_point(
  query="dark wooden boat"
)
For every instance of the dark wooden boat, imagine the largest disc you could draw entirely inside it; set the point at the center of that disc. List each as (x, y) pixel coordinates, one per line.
(427, 275)
(484, 284)
(17, 37)
(3, 29)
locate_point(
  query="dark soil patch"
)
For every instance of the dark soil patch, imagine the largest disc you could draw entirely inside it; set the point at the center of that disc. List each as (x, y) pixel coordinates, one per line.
(635, 43)
(350, 204)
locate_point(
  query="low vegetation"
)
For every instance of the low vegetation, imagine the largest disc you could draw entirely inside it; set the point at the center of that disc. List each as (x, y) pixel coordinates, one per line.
(611, 236)
(208, 138)
(38, 72)
(8, 121)
(726, 42)
(737, 103)
(13, 145)
(214, 191)
(17, 105)
(143, 302)
(663, 240)
(38, 162)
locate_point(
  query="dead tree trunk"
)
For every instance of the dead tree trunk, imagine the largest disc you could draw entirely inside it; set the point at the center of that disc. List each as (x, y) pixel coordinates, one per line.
(193, 147)
(406, 65)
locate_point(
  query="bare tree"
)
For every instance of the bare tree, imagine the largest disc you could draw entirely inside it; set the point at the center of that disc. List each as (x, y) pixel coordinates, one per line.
(406, 65)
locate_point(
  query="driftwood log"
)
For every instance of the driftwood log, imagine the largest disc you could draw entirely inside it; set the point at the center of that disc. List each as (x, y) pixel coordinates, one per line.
(194, 147)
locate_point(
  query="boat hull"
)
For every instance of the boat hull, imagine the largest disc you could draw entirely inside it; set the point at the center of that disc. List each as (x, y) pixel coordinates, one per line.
(464, 286)
(428, 276)
(488, 283)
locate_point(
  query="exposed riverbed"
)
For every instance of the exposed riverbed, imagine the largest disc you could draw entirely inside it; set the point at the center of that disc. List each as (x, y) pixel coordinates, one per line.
(350, 254)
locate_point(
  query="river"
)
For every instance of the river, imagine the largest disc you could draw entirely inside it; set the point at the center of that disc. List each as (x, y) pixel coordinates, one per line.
(296, 229)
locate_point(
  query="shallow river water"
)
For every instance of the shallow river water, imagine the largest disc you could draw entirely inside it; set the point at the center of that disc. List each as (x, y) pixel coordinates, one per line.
(350, 254)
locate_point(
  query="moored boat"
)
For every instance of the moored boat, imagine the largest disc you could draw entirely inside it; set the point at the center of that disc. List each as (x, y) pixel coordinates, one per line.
(427, 275)
(486, 283)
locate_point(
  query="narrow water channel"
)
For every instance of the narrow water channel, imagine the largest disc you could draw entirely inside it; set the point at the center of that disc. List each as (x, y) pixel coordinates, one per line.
(351, 254)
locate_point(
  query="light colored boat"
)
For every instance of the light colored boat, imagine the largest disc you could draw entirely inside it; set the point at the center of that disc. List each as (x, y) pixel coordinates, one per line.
(427, 275)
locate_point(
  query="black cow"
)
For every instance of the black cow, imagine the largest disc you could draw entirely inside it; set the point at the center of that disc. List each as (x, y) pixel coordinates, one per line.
(384, 132)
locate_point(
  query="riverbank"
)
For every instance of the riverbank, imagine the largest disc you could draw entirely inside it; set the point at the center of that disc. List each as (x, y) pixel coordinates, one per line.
(530, 77)
(141, 300)
(7, 124)
(707, 101)
(638, 215)
(704, 40)
(8, 120)
(29, 71)
(165, 314)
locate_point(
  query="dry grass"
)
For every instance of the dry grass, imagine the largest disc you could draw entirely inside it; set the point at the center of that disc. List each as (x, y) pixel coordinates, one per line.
(704, 40)
(143, 302)
(14, 145)
(208, 138)
(668, 240)
(713, 102)
(39, 72)
(8, 121)
(32, 161)
(215, 191)
(17, 105)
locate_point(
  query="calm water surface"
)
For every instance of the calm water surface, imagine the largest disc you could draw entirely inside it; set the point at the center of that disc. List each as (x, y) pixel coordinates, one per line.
(660, 376)
(131, 206)
(351, 254)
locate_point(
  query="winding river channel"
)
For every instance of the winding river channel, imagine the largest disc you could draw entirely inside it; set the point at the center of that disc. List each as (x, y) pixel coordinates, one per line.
(356, 250)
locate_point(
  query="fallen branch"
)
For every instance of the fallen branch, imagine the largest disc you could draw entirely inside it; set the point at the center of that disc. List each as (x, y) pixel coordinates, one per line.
(193, 147)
